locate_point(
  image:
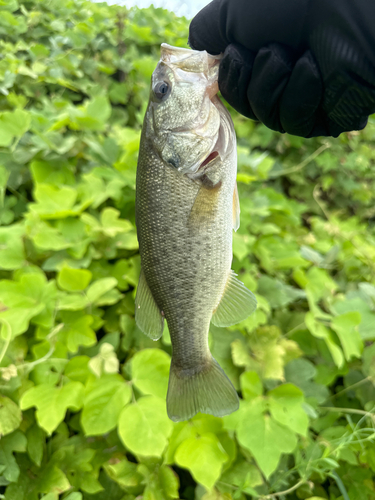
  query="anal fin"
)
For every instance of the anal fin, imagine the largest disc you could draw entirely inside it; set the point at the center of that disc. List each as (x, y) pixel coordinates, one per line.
(236, 304)
(147, 314)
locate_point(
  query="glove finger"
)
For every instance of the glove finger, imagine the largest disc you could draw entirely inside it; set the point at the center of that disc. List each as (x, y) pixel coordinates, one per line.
(270, 75)
(349, 101)
(300, 101)
(251, 23)
(234, 76)
(206, 31)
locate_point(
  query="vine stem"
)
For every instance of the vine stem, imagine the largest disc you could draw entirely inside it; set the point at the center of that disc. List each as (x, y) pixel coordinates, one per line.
(350, 387)
(7, 342)
(349, 410)
(285, 492)
(340, 485)
(32, 364)
(303, 163)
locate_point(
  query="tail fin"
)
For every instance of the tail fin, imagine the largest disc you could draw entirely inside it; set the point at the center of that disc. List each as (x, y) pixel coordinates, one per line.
(206, 389)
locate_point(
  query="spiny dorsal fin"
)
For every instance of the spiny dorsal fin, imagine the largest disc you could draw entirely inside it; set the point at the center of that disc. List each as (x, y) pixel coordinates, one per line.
(236, 208)
(147, 314)
(236, 304)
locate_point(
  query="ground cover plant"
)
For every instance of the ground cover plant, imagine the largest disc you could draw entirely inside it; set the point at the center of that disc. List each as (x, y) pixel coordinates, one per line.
(82, 391)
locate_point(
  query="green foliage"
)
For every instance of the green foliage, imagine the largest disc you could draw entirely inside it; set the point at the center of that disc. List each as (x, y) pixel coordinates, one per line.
(82, 403)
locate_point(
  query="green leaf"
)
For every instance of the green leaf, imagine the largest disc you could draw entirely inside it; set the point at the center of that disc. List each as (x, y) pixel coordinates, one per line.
(321, 332)
(26, 299)
(144, 426)
(181, 432)
(196, 453)
(319, 283)
(77, 331)
(356, 304)
(73, 280)
(278, 293)
(264, 438)
(52, 403)
(35, 443)
(285, 406)
(53, 480)
(124, 473)
(51, 496)
(243, 474)
(104, 399)
(46, 237)
(241, 245)
(13, 124)
(301, 372)
(12, 253)
(105, 361)
(15, 442)
(10, 416)
(112, 224)
(74, 496)
(99, 108)
(71, 301)
(94, 115)
(77, 369)
(274, 253)
(77, 464)
(54, 202)
(150, 371)
(168, 481)
(346, 327)
(251, 386)
(99, 288)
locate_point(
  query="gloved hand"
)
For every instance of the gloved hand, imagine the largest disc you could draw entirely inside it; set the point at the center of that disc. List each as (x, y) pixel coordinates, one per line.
(306, 67)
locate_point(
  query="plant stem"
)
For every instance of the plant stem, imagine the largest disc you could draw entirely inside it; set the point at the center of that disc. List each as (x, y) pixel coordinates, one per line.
(5, 348)
(348, 410)
(303, 163)
(285, 492)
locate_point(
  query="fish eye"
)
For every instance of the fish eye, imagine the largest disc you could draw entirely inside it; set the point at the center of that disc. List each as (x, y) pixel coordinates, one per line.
(161, 89)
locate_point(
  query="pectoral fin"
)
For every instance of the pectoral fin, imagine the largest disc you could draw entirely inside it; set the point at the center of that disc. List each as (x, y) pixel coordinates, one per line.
(236, 208)
(147, 314)
(205, 205)
(236, 304)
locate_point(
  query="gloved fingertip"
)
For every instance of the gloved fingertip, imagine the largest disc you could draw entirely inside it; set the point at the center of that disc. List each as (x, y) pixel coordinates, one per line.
(205, 30)
(300, 102)
(272, 67)
(234, 77)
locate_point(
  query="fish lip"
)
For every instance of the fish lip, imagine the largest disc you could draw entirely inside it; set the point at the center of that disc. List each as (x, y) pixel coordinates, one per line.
(168, 51)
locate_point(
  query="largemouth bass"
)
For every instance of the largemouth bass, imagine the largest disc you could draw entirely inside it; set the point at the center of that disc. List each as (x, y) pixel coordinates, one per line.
(186, 208)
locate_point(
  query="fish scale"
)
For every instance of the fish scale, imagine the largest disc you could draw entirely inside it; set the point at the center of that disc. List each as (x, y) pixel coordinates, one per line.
(184, 220)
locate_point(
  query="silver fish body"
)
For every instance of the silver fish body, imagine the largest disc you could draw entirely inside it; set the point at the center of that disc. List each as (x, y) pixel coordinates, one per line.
(186, 208)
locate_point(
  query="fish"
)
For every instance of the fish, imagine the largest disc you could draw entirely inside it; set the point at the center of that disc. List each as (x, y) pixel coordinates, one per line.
(186, 209)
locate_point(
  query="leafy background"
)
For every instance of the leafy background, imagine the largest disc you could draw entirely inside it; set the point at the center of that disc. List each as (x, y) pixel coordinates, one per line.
(82, 404)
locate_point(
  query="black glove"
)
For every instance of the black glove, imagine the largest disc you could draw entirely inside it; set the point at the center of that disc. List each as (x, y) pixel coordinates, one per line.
(306, 67)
